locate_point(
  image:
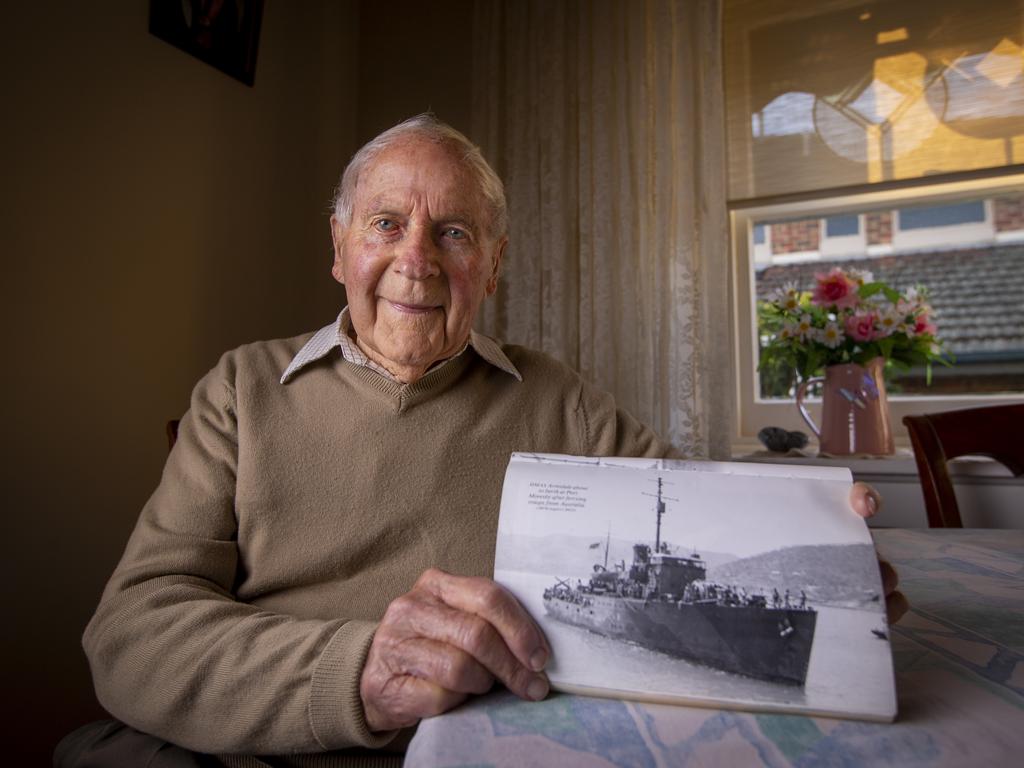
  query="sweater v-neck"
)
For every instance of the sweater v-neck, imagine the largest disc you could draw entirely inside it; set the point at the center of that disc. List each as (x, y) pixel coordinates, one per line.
(404, 396)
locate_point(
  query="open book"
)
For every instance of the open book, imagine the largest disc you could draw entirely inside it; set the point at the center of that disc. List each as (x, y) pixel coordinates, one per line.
(747, 586)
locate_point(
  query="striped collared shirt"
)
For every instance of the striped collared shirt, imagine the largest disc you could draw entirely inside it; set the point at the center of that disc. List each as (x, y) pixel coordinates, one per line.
(340, 334)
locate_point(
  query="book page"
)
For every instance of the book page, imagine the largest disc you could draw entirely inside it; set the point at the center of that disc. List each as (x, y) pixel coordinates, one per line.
(727, 584)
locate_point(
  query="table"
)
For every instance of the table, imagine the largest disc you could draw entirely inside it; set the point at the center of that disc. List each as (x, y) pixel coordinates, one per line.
(959, 660)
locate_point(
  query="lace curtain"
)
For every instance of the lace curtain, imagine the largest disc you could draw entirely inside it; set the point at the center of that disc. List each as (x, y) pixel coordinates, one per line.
(605, 120)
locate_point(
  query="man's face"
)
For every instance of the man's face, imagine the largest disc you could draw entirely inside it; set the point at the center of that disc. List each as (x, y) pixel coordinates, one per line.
(417, 259)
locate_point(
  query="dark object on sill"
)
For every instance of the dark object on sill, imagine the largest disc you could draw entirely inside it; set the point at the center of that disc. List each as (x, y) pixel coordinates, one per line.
(780, 440)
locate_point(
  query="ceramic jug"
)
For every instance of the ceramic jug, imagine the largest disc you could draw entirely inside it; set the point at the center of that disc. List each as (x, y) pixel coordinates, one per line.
(855, 411)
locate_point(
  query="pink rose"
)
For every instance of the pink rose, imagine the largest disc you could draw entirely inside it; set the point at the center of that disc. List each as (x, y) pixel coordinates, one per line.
(836, 289)
(860, 326)
(922, 324)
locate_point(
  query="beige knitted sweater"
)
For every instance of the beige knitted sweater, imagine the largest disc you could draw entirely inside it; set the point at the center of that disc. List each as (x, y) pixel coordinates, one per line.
(290, 515)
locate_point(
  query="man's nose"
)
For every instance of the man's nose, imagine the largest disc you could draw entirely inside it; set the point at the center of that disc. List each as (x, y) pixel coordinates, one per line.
(417, 257)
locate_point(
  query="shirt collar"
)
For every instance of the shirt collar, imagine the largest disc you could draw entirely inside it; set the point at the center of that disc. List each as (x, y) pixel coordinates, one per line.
(336, 334)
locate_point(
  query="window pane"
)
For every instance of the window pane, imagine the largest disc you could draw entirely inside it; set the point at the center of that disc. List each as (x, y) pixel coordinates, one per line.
(839, 226)
(972, 271)
(942, 215)
(759, 234)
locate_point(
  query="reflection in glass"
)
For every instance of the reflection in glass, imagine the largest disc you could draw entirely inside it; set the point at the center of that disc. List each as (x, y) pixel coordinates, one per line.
(837, 93)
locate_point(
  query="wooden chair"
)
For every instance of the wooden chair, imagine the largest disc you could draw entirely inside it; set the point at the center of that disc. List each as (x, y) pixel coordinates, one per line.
(996, 431)
(172, 433)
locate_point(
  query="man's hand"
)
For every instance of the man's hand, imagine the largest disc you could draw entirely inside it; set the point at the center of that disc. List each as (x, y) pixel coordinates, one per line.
(448, 637)
(866, 502)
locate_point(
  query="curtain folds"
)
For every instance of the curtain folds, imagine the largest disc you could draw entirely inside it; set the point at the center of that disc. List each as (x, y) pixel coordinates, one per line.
(605, 120)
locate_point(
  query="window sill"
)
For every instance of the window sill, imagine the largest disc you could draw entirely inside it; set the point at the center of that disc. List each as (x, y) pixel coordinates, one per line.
(900, 464)
(988, 494)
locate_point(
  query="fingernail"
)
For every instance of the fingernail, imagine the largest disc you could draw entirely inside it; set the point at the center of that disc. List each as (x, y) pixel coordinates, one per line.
(537, 689)
(872, 505)
(538, 660)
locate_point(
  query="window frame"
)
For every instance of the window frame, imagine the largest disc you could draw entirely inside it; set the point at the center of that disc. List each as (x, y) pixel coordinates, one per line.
(750, 411)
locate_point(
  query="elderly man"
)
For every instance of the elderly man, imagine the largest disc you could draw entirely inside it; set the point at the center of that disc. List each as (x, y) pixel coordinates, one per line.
(311, 573)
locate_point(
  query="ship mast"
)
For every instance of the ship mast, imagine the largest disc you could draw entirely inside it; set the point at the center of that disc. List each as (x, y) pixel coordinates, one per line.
(607, 541)
(660, 509)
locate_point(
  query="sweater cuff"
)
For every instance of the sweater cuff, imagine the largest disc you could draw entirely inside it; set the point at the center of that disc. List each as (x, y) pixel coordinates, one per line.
(335, 706)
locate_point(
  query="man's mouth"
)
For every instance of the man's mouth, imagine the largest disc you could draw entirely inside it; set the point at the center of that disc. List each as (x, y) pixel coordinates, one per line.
(411, 308)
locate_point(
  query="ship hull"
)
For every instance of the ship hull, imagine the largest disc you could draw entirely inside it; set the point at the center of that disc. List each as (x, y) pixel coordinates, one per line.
(762, 642)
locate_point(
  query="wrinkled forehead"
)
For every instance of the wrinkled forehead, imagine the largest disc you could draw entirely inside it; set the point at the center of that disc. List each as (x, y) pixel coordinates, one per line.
(418, 169)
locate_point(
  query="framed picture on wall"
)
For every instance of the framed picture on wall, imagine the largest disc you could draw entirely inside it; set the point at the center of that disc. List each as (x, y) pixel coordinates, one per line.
(223, 33)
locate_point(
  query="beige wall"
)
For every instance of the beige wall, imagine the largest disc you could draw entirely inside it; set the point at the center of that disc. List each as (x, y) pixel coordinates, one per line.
(155, 212)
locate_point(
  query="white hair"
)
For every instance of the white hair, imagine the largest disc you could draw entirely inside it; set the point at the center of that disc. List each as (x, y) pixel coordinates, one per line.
(426, 126)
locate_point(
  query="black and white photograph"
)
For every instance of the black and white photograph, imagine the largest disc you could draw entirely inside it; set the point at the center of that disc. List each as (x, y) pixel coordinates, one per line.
(700, 582)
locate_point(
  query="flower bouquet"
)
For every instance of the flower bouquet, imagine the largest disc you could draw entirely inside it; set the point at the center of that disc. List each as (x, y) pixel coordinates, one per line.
(848, 318)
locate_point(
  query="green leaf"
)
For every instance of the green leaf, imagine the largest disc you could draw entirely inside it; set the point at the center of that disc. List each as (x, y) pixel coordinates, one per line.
(870, 289)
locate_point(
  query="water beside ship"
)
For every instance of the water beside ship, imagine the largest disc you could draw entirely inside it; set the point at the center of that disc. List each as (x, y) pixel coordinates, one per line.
(847, 660)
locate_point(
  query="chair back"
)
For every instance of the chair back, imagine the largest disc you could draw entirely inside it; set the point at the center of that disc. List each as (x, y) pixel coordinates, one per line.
(995, 431)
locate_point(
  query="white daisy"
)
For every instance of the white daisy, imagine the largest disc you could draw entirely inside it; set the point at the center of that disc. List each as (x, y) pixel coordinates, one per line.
(888, 321)
(831, 335)
(910, 301)
(861, 276)
(788, 297)
(804, 330)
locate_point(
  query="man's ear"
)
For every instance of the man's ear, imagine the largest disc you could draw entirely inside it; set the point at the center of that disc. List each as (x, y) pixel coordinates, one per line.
(338, 238)
(499, 254)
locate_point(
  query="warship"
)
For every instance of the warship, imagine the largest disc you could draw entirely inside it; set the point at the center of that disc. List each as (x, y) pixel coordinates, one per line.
(664, 602)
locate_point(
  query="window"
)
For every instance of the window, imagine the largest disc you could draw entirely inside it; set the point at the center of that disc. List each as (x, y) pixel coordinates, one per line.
(887, 134)
(933, 217)
(837, 93)
(976, 290)
(839, 226)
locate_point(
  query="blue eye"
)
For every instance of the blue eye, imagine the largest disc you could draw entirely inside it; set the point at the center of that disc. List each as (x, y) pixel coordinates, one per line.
(384, 225)
(454, 234)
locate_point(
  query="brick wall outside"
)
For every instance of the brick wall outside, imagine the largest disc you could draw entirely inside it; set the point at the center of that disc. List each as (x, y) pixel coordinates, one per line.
(794, 236)
(1009, 213)
(879, 227)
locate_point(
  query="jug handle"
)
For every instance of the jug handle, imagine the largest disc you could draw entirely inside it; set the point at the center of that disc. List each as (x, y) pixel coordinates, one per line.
(801, 392)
